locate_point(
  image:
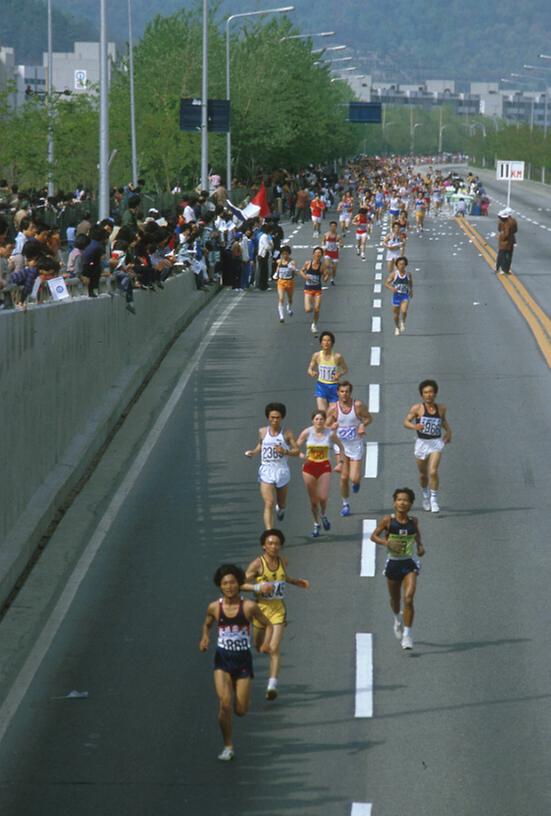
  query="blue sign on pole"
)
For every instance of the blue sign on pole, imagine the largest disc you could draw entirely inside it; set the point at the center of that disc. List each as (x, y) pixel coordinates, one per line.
(365, 112)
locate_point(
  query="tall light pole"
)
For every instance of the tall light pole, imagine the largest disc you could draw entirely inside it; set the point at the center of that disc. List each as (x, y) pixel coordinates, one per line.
(205, 101)
(306, 36)
(49, 89)
(415, 126)
(280, 10)
(132, 98)
(103, 198)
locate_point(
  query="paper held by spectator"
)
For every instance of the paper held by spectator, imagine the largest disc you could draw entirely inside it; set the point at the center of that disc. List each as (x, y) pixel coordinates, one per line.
(58, 288)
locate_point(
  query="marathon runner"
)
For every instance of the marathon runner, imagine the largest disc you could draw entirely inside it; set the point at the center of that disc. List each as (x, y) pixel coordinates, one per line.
(332, 244)
(428, 419)
(349, 418)
(344, 208)
(328, 367)
(360, 221)
(400, 283)
(317, 206)
(316, 470)
(393, 243)
(267, 576)
(420, 210)
(233, 664)
(274, 445)
(285, 276)
(399, 533)
(315, 273)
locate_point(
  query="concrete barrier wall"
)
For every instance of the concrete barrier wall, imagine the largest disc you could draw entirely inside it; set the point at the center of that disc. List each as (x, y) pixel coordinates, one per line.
(67, 370)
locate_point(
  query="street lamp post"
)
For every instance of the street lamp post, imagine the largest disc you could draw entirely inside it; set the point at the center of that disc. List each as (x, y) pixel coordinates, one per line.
(280, 10)
(133, 140)
(415, 126)
(51, 187)
(103, 198)
(205, 100)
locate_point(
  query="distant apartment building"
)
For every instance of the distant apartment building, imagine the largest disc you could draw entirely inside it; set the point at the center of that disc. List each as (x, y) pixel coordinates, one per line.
(487, 98)
(75, 71)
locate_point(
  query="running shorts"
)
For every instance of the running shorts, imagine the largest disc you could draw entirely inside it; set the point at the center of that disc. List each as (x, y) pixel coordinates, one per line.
(354, 450)
(317, 469)
(392, 254)
(277, 475)
(399, 297)
(327, 391)
(316, 219)
(288, 285)
(394, 213)
(345, 216)
(424, 447)
(275, 611)
(314, 292)
(397, 568)
(238, 665)
(360, 232)
(329, 257)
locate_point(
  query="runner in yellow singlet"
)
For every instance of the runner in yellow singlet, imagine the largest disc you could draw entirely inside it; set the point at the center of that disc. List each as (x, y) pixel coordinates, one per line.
(267, 577)
(327, 366)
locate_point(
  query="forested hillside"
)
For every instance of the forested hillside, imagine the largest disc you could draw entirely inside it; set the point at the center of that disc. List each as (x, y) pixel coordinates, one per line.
(405, 40)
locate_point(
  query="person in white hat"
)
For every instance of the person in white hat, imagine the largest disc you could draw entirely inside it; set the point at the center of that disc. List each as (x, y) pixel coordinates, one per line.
(506, 230)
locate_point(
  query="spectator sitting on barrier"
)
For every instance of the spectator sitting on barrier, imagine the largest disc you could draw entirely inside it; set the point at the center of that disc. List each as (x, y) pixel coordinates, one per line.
(74, 261)
(145, 272)
(25, 278)
(53, 249)
(163, 257)
(123, 271)
(92, 259)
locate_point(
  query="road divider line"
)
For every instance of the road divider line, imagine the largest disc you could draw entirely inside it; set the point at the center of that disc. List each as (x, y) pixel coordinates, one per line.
(374, 398)
(376, 303)
(375, 324)
(378, 276)
(367, 568)
(361, 809)
(364, 675)
(371, 460)
(379, 265)
(377, 289)
(375, 358)
(45, 639)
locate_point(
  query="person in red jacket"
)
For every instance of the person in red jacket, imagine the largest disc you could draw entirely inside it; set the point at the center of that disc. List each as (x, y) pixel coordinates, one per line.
(317, 206)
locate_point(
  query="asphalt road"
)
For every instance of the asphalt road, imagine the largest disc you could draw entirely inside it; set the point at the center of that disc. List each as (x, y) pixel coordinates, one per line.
(461, 724)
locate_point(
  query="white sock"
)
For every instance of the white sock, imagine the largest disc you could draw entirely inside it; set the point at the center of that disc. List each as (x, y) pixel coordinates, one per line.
(398, 618)
(433, 494)
(407, 631)
(272, 682)
(280, 310)
(426, 492)
(345, 502)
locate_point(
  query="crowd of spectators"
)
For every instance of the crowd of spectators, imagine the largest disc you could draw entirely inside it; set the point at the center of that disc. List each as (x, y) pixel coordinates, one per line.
(137, 248)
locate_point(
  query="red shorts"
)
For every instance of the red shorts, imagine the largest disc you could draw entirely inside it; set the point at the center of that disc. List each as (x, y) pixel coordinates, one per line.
(315, 469)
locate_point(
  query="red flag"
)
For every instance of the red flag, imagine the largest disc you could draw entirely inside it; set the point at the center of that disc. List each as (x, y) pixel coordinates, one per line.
(261, 200)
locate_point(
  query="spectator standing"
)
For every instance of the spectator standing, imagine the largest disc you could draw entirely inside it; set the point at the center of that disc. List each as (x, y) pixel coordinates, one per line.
(302, 205)
(506, 230)
(92, 259)
(265, 247)
(84, 227)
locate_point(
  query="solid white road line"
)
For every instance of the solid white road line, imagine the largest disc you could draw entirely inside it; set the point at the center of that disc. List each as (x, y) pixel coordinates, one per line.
(367, 569)
(364, 675)
(376, 303)
(375, 359)
(375, 324)
(377, 289)
(371, 460)
(361, 809)
(57, 616)
(374, 398)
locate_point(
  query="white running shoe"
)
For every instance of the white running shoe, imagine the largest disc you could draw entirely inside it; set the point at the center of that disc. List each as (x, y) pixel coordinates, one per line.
(396, 332)
(402, 327)
(226, 755)
(434, 506)
(280, 512)
(289, 311)
(426, 503)
(314, 328)
(398, 629)
(407, 642)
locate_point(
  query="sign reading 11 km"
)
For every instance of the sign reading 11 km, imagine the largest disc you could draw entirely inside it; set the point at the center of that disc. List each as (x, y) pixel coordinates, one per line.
(509, 171)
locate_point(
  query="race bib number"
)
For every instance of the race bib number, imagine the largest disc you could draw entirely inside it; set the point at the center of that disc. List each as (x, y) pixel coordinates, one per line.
(431, 426)
(232, 644)
(349, 434)
(277, 593)
(271, 454)
(317, 454)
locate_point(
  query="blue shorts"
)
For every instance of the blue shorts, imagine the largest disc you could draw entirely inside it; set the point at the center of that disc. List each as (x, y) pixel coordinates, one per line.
(327, 391)
(399, 297)
(237, 664)
(397, 568)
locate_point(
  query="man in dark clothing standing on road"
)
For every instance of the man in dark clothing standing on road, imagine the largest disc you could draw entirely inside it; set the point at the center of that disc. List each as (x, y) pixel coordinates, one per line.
(506, 231)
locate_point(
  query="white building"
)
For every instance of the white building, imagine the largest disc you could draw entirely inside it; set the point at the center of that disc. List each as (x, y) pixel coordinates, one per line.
(78, 71)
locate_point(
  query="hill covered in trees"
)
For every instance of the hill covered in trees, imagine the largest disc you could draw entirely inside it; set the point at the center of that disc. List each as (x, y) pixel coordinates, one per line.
(408, 40)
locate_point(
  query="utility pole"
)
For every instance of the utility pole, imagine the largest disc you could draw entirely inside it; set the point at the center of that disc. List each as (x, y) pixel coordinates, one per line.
(205, 101)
